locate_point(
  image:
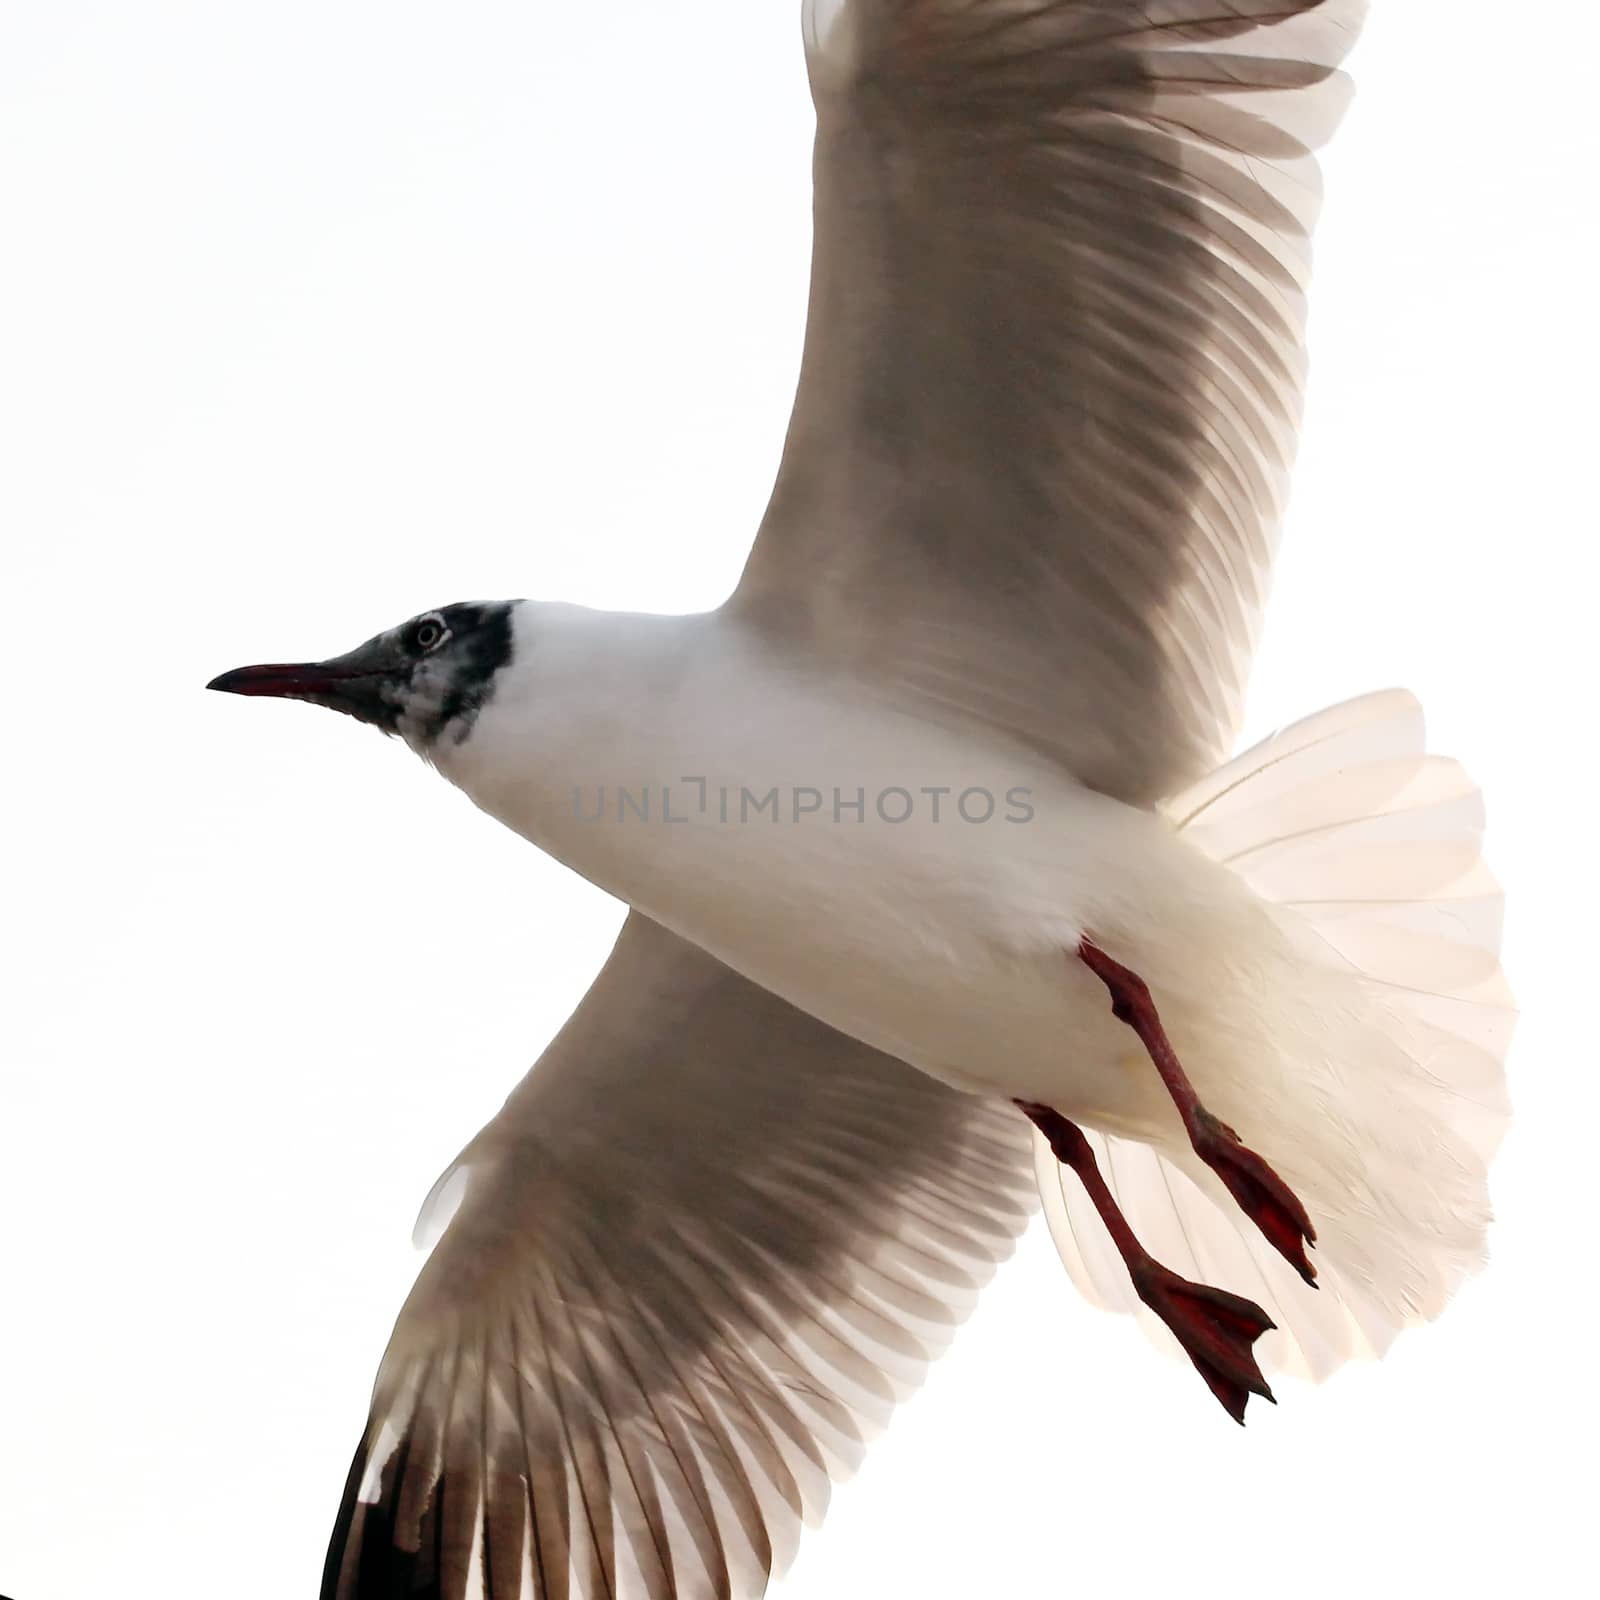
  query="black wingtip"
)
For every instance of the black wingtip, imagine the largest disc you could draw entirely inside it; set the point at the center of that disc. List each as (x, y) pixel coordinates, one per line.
(366, 1557)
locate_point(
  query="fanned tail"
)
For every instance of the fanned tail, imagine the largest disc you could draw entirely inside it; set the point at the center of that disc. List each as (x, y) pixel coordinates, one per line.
(1345, 826)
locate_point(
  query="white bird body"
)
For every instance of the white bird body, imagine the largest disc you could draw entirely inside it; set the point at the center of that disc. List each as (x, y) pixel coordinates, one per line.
(681, 768)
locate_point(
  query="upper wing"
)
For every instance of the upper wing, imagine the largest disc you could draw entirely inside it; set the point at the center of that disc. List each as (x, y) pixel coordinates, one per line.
(1053, 362)
(704, 1248)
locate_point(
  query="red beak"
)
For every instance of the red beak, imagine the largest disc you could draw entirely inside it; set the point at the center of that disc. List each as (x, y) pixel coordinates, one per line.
(295, 678)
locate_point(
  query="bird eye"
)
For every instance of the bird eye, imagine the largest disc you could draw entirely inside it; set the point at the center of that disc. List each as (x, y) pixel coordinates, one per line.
(427, 633)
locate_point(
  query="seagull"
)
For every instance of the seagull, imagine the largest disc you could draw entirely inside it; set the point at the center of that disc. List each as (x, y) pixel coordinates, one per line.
(945, 899)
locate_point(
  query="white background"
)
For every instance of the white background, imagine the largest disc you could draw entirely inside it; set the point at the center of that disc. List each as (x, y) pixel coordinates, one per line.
(313, 315)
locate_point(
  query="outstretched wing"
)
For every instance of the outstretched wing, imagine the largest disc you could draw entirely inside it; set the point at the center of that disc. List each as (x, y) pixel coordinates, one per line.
(703, 1250)
(1053, 362)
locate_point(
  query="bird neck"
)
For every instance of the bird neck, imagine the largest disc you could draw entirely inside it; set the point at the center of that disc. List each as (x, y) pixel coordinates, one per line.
(587, 697)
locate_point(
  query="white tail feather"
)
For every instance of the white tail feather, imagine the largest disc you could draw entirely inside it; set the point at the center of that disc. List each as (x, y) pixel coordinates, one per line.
(1346, 825)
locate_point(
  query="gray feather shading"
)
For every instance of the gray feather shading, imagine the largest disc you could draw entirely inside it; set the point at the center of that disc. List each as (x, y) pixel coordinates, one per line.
(1053, 363)
(704, 1249)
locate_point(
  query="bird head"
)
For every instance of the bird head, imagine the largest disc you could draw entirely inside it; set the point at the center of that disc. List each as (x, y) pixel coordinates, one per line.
(425, 680)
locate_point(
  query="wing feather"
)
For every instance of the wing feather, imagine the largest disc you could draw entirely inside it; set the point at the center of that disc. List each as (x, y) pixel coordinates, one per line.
(1053, 363)
(702, 1253)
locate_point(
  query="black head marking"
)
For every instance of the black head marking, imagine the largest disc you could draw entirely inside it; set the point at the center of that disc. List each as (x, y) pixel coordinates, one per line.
(425, 680)
(471, 641)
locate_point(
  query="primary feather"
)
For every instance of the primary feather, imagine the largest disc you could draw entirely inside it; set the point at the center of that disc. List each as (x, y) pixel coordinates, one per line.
(626, 1372)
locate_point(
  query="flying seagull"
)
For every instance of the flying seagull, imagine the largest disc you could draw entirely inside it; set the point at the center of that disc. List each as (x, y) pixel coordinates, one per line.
(940, 895)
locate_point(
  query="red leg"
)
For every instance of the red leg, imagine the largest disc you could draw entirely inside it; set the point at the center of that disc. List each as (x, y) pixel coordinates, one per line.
(1262, 1195)
(1216, 1329)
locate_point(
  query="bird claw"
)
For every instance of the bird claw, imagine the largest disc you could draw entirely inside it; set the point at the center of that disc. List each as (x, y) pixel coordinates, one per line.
(1216, 1330)
(1262, 1195)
